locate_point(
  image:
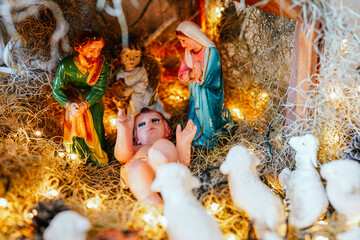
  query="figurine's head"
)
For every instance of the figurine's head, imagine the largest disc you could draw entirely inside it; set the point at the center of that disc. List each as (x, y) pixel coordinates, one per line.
(150, 126)
(130, 58)
(187, 42)
(172, 178)
(89, 44)
(192, 37)
(131, 55)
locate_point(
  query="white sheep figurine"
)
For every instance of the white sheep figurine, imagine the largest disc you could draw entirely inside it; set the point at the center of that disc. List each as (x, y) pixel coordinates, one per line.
(248, 193)
(67, 225)
(186, 217)
(343, 187)
(352, 234)
(303, 188)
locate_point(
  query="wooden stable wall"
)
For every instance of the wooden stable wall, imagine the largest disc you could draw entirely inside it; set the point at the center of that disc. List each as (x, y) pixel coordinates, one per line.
(278, 7)
(304, 60)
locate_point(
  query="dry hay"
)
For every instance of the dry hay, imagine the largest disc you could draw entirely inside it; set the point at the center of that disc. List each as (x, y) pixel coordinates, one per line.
(255, 76)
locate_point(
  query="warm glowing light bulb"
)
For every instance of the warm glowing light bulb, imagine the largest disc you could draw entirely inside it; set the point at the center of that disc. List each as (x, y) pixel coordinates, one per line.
(322, 222)
(93, 202)
(321, 238)
(53, 193)
(3, 202)
(230, 236)
(218, 11)
(264, 95)
(148, 218)
(34, 212)
(73, 156)
(237, 112)
(38, 133)
(336, 137)
(333, 95)
(214, 207)
(61, 154)
(113, 122)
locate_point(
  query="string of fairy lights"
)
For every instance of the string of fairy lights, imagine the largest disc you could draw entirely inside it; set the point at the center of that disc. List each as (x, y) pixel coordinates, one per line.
(336, 89)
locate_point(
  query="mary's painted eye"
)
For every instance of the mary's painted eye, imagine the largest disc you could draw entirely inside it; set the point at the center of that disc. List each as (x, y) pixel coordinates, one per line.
(155, 120)
(141, 124)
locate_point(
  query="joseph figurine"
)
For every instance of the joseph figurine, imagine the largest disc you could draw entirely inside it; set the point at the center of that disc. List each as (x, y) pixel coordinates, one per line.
(79, 86)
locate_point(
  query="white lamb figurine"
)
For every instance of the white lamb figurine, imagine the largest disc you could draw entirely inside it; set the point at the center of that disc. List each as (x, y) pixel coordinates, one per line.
(303, 188)
(67, 225)
(352, 234)
(248, 193)
(343, 187)
(186, 217)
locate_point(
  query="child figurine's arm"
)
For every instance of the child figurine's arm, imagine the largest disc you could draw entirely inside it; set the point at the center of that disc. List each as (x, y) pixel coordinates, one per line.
(183, 142)
(124, 148)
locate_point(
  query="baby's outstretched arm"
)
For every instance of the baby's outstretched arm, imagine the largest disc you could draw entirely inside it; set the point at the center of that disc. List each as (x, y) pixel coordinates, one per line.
(184, 139)
(124, 148)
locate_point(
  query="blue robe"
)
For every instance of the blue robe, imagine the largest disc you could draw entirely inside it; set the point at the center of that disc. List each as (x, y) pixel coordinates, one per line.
(206, 102)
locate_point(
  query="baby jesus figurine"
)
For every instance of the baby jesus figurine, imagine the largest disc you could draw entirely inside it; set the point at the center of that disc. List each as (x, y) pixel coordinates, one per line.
(152, 148)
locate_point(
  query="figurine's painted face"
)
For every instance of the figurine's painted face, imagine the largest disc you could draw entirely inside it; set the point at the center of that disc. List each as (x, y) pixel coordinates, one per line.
(130, 58)
(91, 50)
(189, 43)
(150, 127)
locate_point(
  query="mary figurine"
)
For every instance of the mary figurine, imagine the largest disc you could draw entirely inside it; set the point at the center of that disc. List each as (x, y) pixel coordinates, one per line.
(200, 68)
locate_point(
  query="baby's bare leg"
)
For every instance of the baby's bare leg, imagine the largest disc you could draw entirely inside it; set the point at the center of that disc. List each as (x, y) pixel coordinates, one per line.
(139, 176)
(162, 151)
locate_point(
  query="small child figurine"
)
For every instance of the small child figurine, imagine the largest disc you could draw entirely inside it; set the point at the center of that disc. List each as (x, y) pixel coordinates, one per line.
(136, 81)
(151, 150)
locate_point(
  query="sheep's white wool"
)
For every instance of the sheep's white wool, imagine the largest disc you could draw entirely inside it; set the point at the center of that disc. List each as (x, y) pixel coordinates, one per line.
(251, 195)
(186, 217)
(343, 187)
(304, 190)
(353, 234)
(67, 225)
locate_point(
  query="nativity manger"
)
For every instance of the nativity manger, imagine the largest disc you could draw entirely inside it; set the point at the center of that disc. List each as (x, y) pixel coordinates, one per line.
(290, 67)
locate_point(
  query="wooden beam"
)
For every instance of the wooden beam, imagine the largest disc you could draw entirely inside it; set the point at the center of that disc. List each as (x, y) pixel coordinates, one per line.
(306, 68)
(304, 65)
(278, 7)
(201, 20)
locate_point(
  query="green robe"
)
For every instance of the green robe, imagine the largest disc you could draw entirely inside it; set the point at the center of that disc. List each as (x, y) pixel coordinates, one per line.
(67, 76)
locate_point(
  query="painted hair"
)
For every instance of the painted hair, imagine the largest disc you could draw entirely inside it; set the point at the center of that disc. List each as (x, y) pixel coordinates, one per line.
(134, 43)
(86, 36)
(166, 121)
(180, 33)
